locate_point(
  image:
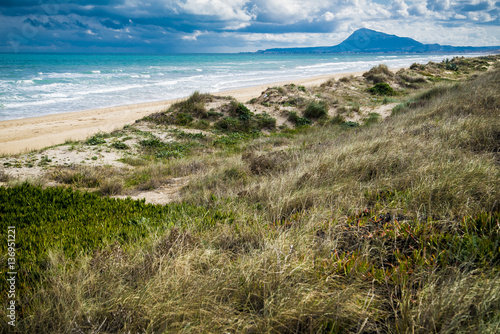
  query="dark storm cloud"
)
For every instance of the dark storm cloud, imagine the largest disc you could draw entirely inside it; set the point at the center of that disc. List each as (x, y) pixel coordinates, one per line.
(200, 25)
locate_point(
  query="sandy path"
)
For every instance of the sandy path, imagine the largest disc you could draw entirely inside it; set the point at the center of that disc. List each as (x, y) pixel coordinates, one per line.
(23, 135)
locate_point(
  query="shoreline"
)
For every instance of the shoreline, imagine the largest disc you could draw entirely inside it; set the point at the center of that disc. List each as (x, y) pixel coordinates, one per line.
(24, 135)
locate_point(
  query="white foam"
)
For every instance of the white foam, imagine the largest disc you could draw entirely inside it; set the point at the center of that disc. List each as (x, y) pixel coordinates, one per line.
(38, 103)
(166, 83)
(108, 90)
(25, 82)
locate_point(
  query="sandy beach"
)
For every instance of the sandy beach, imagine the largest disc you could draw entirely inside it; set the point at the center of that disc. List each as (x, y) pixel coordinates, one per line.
(23, 135)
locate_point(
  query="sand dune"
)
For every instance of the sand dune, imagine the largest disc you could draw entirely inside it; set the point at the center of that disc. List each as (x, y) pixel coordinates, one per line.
(23, 135)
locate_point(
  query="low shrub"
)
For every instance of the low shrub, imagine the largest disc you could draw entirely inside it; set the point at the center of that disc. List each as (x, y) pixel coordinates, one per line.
(111, 187)
(297, 120)
(265, 121)
(378, 74)
(120, 145)
(350, 124)
(382, 88)
(96, 139)
(315, 110)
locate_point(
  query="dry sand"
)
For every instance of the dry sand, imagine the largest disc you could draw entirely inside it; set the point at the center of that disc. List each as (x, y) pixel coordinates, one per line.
(24, 135)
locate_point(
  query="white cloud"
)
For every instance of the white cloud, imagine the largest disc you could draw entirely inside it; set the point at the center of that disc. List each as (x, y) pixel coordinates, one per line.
(480, 17)
(418, 9)
(223, 9)
(193, 37)
(236, 26)
(438, 5)
(399, 8)
(328, 16)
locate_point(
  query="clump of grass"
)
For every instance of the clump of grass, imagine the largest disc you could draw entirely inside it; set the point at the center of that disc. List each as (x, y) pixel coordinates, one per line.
(297, 120)
(193, 105)
(241, 119)
(266, 163)
(85, 177)
(4, 176)
(379, 74)
(337, 119)
(382, 88)
(120, 145)
(96, 139)
(349, 124)
(372, 118)
(132, 161)
(111, 187)
(346, 79)
(407, 78)
(315, 110)
(184, 112)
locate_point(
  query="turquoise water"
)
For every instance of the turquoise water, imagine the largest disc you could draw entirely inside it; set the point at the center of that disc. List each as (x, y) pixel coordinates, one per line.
(40, 84)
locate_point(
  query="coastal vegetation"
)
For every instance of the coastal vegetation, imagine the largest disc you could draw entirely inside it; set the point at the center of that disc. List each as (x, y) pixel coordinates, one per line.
(324, 209)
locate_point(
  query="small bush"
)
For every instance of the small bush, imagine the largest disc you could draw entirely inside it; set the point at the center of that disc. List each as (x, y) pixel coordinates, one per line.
(297, 120)
(230, 124)
(80, 177)
(183, 119)
(315, 110)
(350, 124)
(120, 145)
(96, 140)
(382, 88)
(111, 187)
(239, 110)
(151, 143)
(265, 121)
(416, 66)
(194, 105)
(201, 124)
(378, 74)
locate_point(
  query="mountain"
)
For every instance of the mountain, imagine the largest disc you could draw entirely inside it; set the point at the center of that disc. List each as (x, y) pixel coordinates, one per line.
(370, 41)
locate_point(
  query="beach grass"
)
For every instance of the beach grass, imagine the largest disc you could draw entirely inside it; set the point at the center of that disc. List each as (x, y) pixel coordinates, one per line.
(379, 225)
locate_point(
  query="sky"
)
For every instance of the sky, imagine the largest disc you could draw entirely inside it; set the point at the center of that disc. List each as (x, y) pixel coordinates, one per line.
(185, 26)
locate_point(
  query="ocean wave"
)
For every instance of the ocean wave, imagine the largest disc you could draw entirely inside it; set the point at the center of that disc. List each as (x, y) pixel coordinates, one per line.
(166, 83)
(38, 103)
(108, 90)
(25, 82)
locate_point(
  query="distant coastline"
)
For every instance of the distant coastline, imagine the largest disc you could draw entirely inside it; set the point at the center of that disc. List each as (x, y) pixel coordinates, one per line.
(367, 41)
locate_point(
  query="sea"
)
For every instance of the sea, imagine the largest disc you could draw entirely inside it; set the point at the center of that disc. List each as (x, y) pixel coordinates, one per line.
(34, 85)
